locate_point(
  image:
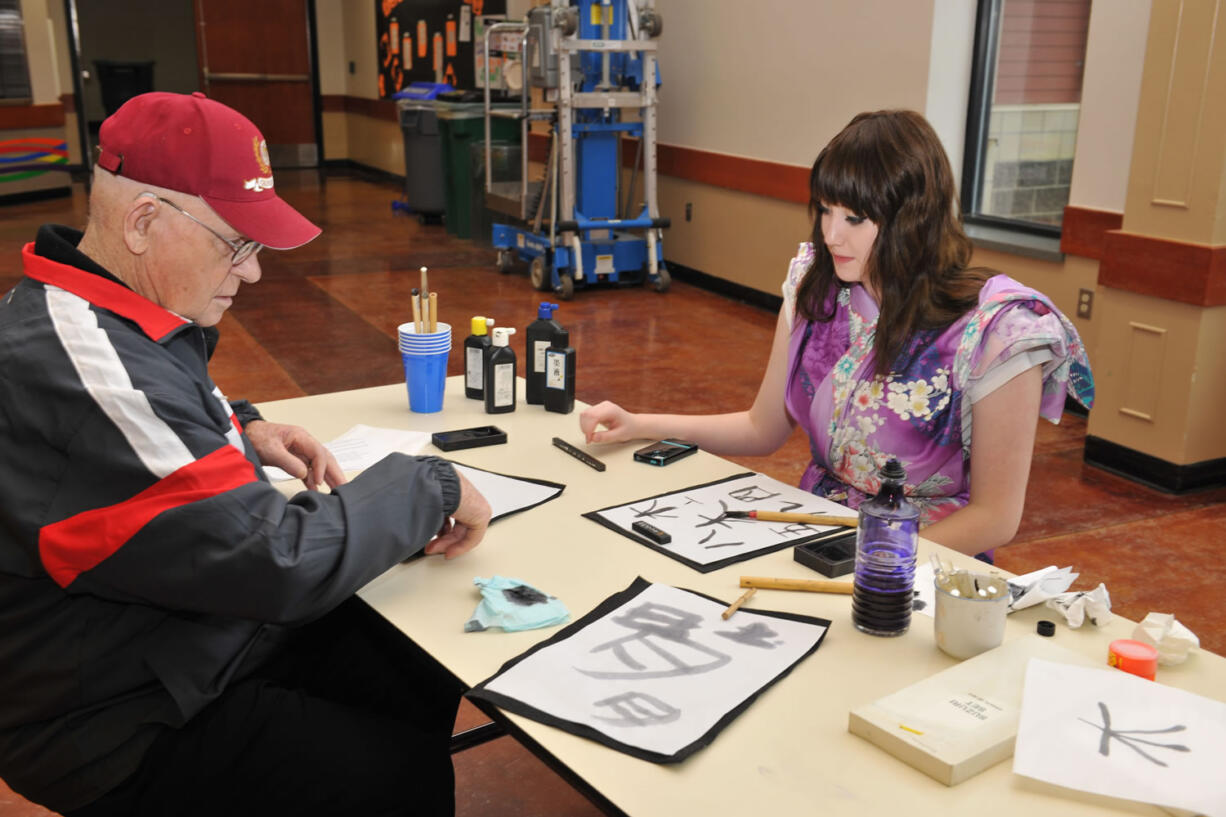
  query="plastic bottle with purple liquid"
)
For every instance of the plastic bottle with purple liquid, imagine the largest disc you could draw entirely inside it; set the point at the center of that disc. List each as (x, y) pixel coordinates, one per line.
(886, 542)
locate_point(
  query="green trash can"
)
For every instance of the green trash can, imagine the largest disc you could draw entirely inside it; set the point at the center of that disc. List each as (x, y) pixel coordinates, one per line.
(460, 124)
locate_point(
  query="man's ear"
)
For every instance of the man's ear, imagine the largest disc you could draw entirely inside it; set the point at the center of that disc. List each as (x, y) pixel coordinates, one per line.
(138, 220)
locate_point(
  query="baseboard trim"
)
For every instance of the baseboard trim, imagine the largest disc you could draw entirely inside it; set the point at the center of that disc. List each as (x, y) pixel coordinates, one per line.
(1156, 473)
(365, 171)
(27, 196)
(720, 286)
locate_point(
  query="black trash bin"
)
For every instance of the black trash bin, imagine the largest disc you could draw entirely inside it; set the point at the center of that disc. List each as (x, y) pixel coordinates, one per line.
(423, 158)
(122, 80)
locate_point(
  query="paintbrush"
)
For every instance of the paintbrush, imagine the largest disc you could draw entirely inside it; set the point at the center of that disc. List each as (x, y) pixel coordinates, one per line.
(803, 518)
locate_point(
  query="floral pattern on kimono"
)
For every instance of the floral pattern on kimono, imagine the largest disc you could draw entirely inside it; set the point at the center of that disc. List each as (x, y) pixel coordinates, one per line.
(921, 412)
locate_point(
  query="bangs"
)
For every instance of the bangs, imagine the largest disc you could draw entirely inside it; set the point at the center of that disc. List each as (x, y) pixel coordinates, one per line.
(850, 172)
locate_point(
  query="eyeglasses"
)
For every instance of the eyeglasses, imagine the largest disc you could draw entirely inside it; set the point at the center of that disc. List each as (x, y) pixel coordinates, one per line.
(242, 249)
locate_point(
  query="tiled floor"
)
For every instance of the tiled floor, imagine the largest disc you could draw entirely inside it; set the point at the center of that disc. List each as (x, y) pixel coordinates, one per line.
(324, 319)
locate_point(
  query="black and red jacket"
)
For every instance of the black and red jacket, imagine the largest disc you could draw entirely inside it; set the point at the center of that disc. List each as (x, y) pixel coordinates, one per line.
(145, 560)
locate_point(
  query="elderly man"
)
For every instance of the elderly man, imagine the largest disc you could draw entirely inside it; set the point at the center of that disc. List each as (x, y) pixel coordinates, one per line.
(177, 637)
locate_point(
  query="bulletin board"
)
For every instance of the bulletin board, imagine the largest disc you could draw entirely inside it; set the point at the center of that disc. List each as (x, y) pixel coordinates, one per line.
(430, 40)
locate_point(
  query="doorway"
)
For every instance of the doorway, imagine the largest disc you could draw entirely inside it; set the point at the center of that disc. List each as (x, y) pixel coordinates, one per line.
(261, 64)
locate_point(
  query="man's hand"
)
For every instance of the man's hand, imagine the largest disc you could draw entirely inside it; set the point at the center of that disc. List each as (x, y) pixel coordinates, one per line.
(466, 528)
(295, 451)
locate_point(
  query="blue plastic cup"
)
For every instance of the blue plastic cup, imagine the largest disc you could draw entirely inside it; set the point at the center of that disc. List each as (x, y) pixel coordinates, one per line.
(425, 366)
(426, 378)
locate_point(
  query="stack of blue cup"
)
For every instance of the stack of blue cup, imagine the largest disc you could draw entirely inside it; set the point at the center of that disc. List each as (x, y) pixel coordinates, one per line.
(425, 365)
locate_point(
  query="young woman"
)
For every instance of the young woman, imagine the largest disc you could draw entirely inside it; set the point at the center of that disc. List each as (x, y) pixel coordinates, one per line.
(890, 345)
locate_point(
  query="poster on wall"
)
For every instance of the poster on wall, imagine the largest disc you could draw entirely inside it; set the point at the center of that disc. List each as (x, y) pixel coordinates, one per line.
(430, 41)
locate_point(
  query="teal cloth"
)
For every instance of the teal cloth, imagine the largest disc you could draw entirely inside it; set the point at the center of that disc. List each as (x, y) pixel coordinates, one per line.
(514, 605)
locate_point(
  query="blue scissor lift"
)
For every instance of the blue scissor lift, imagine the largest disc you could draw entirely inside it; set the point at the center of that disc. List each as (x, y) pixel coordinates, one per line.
(574, 230)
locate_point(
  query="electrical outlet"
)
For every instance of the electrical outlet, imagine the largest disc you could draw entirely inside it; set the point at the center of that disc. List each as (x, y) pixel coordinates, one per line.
(689, 211)
(1085, 303)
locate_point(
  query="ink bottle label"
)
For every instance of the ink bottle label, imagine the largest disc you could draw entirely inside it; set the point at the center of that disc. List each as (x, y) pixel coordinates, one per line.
(555, 372)
(539, 348)
(473, 368)
(504, 384)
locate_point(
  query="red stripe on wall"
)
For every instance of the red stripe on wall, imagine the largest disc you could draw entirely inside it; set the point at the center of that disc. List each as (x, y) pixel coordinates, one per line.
(1084, 231)
(1174, 270)
(18, 117)
(79, 543)
(762, 178)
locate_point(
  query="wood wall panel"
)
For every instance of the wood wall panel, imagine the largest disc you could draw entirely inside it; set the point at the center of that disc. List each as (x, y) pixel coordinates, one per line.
(1174, 270)
(18, 117)
(1084, 231)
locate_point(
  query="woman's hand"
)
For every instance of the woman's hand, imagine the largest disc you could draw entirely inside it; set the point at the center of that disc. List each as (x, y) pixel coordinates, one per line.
(620, 425)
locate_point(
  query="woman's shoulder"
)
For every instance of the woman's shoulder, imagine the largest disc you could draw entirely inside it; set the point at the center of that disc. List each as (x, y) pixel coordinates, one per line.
(797, 268)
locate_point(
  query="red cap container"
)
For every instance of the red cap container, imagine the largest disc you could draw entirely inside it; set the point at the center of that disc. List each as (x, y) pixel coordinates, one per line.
(1132, 656)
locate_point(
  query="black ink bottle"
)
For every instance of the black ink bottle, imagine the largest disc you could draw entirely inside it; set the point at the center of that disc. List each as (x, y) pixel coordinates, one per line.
(476, 347)
(500, 374)
(886, 542)
(540, 336)
(560, 378)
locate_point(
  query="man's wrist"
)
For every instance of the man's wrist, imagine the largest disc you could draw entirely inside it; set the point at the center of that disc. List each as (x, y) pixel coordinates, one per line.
(449, 483)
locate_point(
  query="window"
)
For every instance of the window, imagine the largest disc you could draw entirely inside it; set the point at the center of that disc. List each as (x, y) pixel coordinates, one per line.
(1023, 112)
(14, 76)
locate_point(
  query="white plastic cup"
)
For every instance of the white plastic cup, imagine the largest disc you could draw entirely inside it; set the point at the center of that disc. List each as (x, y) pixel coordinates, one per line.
(966, 625)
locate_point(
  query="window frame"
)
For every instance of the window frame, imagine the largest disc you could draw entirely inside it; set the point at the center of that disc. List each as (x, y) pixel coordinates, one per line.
(978, 114)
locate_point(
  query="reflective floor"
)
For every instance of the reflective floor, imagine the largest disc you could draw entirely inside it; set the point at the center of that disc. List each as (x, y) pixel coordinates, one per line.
(324, 317)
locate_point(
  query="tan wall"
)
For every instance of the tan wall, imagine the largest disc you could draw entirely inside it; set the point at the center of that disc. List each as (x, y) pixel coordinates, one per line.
(1157, 370)
(42, 52)
(748, 238)
(1177, 163)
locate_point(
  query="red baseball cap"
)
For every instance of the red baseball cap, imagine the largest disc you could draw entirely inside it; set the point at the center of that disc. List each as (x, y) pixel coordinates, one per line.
(190, 143)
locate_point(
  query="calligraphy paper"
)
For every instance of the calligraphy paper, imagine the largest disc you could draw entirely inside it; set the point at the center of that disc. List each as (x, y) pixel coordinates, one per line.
(654, 671)
(508, 494)
(1110, 732)
(703, 537)
(362, 446)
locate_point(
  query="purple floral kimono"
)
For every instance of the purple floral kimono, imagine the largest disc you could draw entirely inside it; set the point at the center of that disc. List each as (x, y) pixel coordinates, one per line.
(922, 414)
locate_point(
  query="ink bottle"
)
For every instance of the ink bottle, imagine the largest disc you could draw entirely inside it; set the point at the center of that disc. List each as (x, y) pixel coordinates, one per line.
(886, 542)
(476, 347)
(560, 377)
(539, 337)
(500, 374)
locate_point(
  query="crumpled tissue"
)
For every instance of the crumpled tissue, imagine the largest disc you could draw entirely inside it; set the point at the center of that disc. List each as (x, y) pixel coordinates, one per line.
(514, 605)
(1094, 605)
(1173, 640)
(1038, 586)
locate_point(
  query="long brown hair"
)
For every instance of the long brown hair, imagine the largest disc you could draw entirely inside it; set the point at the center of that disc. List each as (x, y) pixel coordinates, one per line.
(889, 167)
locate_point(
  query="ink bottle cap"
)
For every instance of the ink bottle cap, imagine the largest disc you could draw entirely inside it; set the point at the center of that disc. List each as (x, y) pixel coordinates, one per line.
(545, 310)
(502, 335)
(478, 325)
(1132, 656)
(1046, 628)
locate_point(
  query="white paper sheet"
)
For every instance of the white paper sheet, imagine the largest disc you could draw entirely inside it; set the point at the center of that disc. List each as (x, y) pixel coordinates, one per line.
(362, 446)
(507, 494)
(1109, 732)
(659, 671)
(700, 532)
